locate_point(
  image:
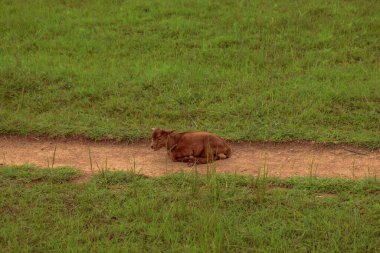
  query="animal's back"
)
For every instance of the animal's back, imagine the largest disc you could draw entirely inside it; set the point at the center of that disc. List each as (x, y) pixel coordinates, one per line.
(199, 141)
(201, 136)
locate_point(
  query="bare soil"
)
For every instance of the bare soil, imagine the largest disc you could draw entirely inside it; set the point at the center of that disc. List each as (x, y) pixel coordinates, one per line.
(280, 159)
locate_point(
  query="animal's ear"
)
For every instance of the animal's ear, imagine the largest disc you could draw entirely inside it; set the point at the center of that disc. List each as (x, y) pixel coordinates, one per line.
(153, 128)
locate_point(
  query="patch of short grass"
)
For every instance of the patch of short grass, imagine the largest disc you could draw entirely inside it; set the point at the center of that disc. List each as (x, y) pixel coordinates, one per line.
(185, 212)
(248, 70)
(30, 173)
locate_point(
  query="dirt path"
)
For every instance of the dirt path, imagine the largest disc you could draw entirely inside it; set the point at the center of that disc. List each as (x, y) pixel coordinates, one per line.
(281, 159)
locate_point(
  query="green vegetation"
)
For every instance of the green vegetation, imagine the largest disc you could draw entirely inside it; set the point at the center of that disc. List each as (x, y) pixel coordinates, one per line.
(42, 210)
(248, 70)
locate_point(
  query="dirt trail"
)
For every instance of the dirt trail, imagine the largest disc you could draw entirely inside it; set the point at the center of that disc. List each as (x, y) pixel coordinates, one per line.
(281, 159)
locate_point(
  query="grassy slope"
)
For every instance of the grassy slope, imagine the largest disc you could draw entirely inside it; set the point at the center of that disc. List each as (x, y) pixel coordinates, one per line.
(42, 210)
(252, 70)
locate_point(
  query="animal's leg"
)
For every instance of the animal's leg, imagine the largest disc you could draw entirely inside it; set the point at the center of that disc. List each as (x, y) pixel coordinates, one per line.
(222, 152)
(184, 159)
(178, 158)
(221, 156)
(208, 156)
(226, 153)
(191, 161)
(202, 160)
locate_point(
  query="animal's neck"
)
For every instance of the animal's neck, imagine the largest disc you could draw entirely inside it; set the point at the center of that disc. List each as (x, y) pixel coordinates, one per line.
(172, 141)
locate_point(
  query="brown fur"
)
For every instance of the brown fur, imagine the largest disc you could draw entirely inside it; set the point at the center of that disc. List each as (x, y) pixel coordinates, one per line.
(191, 147)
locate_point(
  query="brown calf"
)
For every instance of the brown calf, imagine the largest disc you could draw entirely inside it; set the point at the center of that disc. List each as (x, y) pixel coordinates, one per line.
(190, 147)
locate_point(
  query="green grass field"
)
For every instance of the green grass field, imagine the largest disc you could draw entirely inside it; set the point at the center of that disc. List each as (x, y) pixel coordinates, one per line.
(248, 70)
(43, 211)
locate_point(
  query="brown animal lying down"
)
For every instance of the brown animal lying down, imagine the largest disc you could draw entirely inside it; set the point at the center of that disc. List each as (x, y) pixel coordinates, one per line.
(190, 147)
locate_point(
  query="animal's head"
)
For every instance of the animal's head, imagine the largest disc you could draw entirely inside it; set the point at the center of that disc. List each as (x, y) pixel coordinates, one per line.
(159, 138)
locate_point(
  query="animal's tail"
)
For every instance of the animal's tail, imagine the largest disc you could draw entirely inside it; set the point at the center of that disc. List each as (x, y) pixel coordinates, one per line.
(228, 153)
